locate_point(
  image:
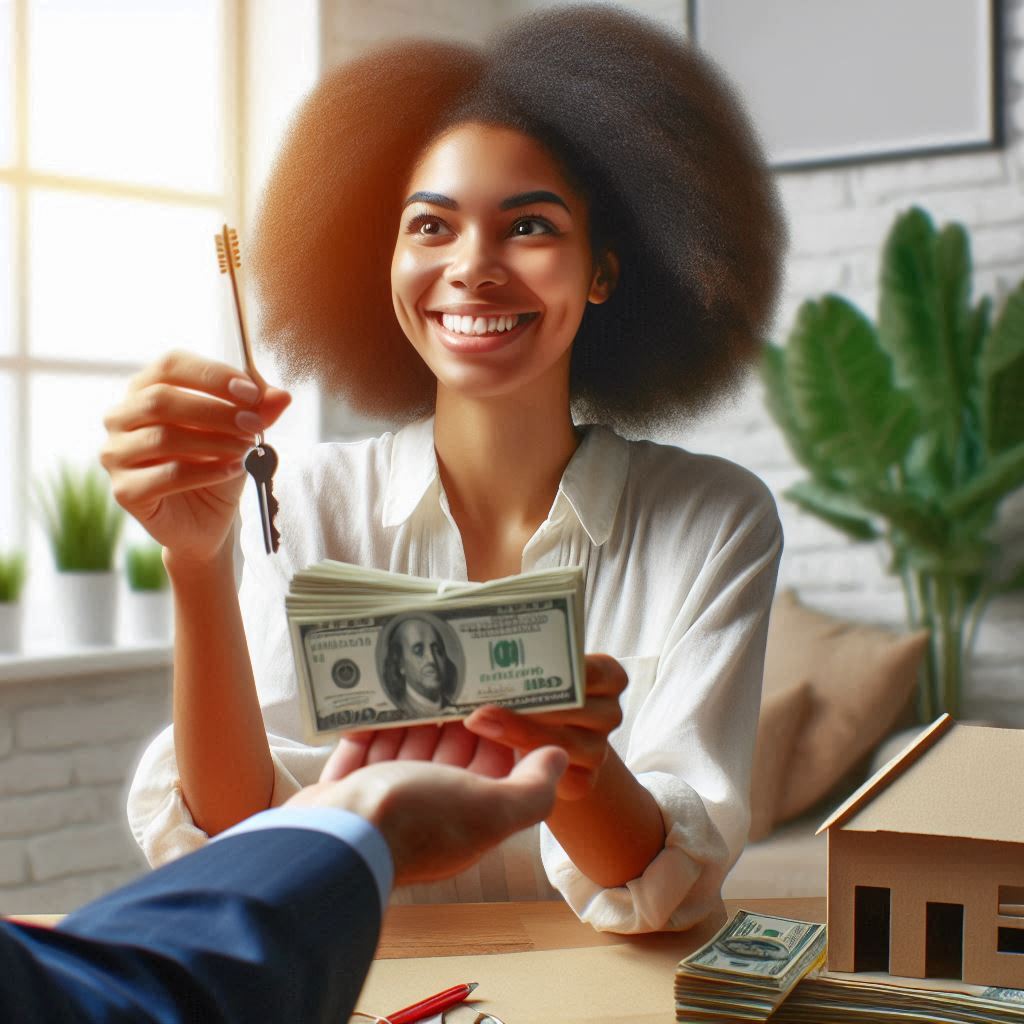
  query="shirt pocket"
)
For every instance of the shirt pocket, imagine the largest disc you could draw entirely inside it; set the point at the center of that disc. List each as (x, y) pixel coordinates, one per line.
(642, 671)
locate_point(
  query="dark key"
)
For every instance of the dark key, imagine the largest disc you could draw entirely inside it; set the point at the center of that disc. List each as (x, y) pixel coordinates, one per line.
(260, 464)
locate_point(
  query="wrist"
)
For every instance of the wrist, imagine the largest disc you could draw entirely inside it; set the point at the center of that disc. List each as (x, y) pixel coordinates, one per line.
(191, 568)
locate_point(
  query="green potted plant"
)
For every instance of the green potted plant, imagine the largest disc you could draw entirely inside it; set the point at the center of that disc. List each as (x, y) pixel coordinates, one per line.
(83, 524)
(911, 430)
(12, 581)
(148, 610)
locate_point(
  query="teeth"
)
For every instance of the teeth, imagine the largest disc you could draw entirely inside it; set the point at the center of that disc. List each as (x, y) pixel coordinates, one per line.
(478, 325)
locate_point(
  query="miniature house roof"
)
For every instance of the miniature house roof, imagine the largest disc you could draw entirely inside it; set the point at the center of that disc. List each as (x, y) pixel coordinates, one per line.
(953, 780)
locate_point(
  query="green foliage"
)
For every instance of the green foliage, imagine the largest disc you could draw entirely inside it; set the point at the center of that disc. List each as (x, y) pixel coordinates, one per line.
(912, 431)
(144, 566)
(81, 519)
(12, 576)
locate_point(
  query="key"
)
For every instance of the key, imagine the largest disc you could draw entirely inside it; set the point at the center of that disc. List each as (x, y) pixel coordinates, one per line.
(260, 464)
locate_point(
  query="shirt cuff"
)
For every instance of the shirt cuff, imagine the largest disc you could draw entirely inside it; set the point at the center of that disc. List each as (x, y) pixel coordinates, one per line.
(344, 825)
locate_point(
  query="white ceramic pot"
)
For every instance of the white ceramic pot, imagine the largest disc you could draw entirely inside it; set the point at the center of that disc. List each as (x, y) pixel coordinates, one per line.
(147, 616)
(10, 627)
(87, 608)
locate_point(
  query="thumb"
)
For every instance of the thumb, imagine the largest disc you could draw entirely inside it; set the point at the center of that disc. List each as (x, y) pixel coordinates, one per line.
(530, 786)
(273, 403)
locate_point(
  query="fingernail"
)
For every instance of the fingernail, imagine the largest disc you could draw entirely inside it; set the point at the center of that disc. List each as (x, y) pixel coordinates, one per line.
(244, 389)
(249, 422)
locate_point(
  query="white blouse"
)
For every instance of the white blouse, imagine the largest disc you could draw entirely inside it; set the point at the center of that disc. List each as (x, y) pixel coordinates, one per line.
(680, 553)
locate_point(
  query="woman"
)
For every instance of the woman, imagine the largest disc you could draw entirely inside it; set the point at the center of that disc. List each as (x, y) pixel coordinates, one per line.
(576, 220)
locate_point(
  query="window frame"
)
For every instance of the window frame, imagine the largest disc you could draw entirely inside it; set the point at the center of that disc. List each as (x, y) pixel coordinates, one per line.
(21, 179)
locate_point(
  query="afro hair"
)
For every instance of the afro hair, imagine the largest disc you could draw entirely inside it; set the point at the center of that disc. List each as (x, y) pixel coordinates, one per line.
(648, 132)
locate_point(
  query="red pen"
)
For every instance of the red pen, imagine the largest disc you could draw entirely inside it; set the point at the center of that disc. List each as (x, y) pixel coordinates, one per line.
(435, 1004)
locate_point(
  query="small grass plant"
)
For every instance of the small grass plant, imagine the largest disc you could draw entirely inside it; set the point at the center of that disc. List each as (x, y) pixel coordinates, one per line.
(144, 567)
(12, 577)
(81, 519)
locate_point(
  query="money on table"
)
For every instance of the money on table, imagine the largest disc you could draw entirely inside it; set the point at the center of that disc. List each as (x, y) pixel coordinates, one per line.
(375, 649)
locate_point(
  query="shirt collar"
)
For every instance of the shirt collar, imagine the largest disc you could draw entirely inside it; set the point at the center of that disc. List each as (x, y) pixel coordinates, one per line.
(592, 483)
(413, 471)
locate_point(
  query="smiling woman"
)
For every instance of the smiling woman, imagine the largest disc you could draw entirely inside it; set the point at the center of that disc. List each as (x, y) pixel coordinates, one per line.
(568, 231)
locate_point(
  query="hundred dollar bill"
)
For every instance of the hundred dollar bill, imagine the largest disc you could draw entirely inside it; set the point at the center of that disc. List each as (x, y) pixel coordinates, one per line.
(748, 968)
(375, 649)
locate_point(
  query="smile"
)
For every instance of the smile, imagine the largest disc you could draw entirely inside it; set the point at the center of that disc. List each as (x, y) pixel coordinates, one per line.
(465, 333)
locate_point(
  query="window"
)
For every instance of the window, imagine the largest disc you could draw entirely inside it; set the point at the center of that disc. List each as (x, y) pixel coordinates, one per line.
(118, 163)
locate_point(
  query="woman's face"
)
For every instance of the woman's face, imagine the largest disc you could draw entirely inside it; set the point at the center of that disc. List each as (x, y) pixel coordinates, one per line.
(492, 268)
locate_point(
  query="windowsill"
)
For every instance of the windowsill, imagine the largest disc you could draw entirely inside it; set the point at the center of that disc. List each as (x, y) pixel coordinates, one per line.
(33, 666)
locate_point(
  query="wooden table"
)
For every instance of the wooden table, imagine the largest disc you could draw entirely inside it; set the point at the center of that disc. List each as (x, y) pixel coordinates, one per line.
(628, 982)
(454, 929)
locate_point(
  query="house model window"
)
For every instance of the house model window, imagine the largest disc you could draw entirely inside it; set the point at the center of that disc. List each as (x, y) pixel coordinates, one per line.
(926, 862)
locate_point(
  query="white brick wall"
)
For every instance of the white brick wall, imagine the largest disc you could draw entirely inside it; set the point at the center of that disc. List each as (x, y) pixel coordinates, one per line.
(68, 749)
(838, 220)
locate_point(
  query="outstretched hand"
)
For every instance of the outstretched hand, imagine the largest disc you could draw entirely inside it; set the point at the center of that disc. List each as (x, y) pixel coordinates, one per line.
(438, 819)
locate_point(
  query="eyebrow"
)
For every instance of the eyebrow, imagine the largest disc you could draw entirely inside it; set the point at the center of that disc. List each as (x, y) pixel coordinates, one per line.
(511, 203)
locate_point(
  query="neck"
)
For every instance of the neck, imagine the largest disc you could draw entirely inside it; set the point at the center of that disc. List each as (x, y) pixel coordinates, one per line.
(501, 459)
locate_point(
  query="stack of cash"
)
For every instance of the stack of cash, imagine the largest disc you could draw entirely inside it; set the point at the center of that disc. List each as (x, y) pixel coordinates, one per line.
(868, 998)
(748, 968)
(375, 649)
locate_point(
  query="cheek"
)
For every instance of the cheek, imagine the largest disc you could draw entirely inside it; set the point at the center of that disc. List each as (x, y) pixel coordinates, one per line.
(411, 274)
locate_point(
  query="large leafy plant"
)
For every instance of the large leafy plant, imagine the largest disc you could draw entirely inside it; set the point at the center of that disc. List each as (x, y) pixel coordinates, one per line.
(912, 431)
(81, 519)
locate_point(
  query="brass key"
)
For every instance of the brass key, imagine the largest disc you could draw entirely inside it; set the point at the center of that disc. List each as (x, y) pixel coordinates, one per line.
(260, 464)
(261, 461)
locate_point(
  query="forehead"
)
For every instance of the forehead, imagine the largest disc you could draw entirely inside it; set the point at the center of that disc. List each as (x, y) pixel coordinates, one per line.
(414, 631)
(488, 160)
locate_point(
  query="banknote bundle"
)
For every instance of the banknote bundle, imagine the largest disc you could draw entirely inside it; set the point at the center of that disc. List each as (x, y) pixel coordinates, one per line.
(748, 968)
(868, 998)
(375, 649)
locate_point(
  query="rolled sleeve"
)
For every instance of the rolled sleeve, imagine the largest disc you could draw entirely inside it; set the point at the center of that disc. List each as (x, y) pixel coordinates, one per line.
(158, 815)
(678, 889)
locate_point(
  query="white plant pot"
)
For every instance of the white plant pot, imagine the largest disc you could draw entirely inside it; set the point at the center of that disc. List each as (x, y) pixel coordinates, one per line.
(10, 627)
(87, 607)
(147, 616)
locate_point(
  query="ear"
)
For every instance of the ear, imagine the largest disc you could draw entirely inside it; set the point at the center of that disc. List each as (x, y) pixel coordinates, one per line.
(606, 277)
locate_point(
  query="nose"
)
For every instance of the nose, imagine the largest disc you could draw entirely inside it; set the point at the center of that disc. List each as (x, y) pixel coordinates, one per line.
(475, 263)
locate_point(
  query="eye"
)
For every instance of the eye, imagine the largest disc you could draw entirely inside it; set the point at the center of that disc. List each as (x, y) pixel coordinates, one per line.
(533, 225)
(426, 225)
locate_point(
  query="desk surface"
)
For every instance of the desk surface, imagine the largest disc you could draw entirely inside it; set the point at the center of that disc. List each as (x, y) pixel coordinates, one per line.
(455, 929)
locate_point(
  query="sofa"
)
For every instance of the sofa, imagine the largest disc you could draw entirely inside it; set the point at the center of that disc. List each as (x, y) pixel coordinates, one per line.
(837, 704)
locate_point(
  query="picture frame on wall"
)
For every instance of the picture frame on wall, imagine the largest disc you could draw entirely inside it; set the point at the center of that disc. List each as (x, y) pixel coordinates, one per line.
(832, 82)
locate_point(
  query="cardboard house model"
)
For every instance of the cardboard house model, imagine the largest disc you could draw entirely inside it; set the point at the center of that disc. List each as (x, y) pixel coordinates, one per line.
(926, 861)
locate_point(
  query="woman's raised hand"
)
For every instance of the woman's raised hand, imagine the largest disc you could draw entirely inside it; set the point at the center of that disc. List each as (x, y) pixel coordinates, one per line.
(582, 732)
(175, 446)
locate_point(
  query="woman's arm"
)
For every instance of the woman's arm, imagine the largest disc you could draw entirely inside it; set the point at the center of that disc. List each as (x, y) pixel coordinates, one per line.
(219, 739)
(606, 821)
(174, 453)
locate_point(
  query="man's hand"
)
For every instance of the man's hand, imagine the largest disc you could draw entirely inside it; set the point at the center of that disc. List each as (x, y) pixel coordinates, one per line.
(439, 820)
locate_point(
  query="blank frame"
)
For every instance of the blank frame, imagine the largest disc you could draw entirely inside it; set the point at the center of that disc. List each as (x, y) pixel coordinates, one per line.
(846, 81)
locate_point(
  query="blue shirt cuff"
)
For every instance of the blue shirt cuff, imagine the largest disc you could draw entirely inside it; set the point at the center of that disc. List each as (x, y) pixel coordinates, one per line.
(344, 825)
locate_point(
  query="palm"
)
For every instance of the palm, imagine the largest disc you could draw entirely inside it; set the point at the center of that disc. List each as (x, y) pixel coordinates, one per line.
(195, 523)
(450, 744)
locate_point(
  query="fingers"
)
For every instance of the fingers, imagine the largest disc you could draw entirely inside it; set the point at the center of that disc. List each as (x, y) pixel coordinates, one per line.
(420, 743)
(385, 745)
(585, 746)
(605, 676)
(491, 759)
(456, 745)
(347, 756)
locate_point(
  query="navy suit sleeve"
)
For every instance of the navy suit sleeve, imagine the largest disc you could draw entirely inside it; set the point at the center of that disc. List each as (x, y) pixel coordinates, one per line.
(275, 925)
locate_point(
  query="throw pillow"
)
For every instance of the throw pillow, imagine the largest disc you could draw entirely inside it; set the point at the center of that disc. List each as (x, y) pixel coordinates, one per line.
(862, 678)
(782, 717)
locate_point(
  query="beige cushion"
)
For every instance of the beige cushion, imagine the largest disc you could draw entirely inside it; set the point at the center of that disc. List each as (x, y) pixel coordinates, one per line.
(782, 717)
(862, 679)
